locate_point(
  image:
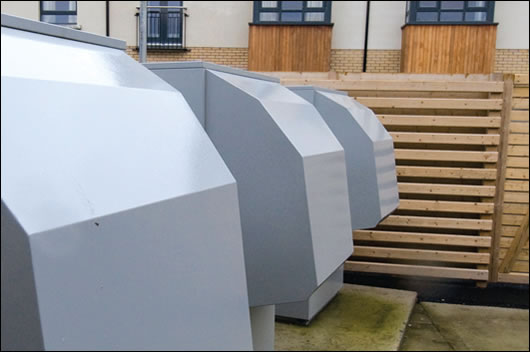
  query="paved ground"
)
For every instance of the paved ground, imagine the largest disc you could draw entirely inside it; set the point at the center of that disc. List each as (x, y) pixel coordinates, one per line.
(359, 318)
(450, 327)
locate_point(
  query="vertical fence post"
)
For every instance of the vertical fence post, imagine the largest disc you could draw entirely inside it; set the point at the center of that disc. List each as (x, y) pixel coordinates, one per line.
(142, 44)
(501, 177)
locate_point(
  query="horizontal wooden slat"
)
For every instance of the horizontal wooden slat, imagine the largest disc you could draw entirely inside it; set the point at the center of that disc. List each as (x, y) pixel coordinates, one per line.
(421, 254)
(506, 242)
(435, 222)
(521, 79)
(445, 138)
(516, 197)
(431, 103)
(512, 219)
(445, 155)
(514, 278)
(518, 174)
(422, 238)
(396, 85)
(515, 161)
(518, 186)
(520, 92)
(518, 150)
(518, 139)
(519, 127)
(446, 172)
(431, 188)
(443, 121)
(519, 103)
(438, 205)
(514, 208)
(519, 115)
(416, 270)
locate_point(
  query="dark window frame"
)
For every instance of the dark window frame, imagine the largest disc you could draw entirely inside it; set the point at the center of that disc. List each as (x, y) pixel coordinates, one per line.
(325, 9)
(414, 9)
(56, 13)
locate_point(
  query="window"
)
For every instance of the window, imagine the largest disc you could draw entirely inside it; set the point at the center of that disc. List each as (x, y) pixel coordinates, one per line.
(292, 12)
(449, 12)
(164, 24)
(58, 12)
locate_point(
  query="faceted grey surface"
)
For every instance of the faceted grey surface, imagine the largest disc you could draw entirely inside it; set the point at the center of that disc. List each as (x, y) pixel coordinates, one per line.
(290, 172)
(120, 221)
(369, 152)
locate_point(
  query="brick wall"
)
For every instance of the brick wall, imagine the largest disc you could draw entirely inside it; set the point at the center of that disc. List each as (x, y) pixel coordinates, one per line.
(345, 60)
(511, 60)
(342, 60)
(235, 57)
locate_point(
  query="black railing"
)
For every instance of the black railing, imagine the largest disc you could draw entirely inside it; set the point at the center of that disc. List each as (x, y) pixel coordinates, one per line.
(166, 27)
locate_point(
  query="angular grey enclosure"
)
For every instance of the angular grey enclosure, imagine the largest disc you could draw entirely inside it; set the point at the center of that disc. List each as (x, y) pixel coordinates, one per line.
(372, 181)
(290, 172)
(369, 152)
(120, 221)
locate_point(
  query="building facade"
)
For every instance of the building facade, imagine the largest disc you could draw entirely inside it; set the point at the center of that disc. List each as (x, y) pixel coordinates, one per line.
(342, 36)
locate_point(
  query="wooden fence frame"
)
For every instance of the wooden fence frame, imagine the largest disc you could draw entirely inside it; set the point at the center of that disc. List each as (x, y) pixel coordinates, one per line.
(462, 163)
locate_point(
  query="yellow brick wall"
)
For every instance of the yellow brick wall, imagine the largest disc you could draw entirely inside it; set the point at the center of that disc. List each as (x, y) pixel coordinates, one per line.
(346, 60)
(235, 57)
(342, 60)
(511, 60)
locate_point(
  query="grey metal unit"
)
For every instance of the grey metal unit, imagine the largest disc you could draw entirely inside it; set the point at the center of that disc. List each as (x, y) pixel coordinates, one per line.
(290, 172)
(369, 152)
(120, 221)
(372, 181)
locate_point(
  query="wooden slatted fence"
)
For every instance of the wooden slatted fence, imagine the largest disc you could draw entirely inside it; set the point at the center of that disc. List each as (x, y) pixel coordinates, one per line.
(457, 138)
(513, 245)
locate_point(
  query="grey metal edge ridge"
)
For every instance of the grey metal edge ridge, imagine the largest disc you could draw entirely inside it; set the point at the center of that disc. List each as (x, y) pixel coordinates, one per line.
(60, 32)
(317, 88)
(209, 66)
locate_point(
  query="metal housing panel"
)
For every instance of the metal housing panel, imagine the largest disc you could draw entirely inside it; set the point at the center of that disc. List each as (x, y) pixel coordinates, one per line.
(369, 152)
(291, 179)
(123, 202)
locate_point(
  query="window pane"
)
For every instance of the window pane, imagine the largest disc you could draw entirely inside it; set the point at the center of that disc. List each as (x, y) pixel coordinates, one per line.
(59, 19)
(292, 5)
(269, 4)
(314, 17)
(58, 5)
(475, 16)
(476, 3)
(452, 5)
(269, 16)
(451, 16)
(291, 17)
(174, 3)
(427, 3)
(427, 16)
(311, 4)
(153, 3)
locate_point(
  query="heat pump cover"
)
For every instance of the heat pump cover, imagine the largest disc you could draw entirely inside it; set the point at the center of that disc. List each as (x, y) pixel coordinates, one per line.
(120, 221)
(290, 172)
(369, 152)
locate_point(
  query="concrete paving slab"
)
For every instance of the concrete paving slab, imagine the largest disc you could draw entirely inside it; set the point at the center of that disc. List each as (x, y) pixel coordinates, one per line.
(359, 318)
(422, 334)
(480, 328)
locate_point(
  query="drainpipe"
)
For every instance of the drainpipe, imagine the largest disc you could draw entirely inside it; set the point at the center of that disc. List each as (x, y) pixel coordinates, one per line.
(365, 54)
(142, 45)
(107, 17)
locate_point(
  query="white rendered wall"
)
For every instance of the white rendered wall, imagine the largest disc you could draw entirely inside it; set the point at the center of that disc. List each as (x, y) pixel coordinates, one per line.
(218, 23)
(26, 9)
(91, 16)
(512, 17)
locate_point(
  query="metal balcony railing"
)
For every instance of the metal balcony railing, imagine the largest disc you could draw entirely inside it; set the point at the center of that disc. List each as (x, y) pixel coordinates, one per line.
(166, 27)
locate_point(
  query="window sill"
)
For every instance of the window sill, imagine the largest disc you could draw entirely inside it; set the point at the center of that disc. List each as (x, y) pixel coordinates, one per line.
(290, 24)
(449, 24)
